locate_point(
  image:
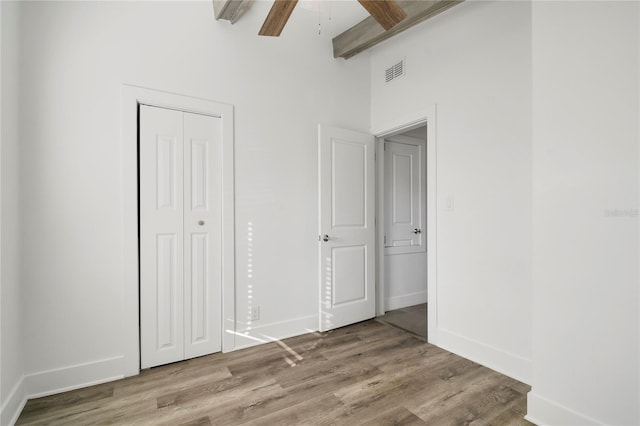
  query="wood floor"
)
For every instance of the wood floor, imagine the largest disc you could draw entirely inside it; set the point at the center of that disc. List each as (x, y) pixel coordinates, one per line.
(368, 373)
(412, 319)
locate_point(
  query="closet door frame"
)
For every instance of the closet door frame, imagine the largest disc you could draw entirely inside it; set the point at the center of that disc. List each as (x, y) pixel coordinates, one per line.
(131, 98)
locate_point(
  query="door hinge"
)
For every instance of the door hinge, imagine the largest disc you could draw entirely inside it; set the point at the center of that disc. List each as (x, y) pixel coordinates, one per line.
(385, 240)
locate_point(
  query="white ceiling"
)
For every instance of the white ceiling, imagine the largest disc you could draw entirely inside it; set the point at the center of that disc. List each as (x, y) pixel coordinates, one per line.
(334, 16)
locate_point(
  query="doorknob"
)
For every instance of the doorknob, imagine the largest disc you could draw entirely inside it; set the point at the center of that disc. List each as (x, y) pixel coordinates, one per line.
(325, 238)
(201, 222)
(417, 231)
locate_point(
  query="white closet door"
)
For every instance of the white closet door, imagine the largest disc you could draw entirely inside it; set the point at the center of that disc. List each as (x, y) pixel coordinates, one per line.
(161, 236)
(203, 232)
(180, 235)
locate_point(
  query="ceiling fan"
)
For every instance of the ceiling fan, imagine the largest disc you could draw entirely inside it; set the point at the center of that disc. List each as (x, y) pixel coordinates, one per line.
(386, 12)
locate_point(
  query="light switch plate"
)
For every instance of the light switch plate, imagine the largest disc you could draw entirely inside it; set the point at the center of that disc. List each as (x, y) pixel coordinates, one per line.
(449, 204)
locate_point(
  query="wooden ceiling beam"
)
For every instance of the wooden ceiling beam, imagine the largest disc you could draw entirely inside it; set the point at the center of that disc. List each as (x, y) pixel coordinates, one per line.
(230, 10)
(386, 12)
(368, 32)
(277, 18)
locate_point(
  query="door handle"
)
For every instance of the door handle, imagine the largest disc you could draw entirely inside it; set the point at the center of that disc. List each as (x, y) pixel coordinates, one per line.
(417, 231)
(201, 222)
(325, 238)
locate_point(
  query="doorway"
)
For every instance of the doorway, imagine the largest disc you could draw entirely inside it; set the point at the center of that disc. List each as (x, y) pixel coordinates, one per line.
(404, 225)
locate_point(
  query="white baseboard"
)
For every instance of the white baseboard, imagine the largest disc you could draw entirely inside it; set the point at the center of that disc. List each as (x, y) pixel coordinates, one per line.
(256, 334)
(58, 380)
(542, 412)
(74, 377)
(501, 361)
(399, 302)
(14, 403)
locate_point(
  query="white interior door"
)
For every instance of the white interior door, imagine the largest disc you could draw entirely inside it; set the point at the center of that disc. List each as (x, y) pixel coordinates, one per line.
(347, 227)
(404, 202)
(180, 235)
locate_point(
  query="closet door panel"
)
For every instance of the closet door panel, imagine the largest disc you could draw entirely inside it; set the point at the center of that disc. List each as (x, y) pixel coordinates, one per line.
(161, 236)
(203, 232)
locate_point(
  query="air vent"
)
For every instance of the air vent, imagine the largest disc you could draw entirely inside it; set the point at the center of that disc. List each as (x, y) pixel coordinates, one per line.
(394, 71)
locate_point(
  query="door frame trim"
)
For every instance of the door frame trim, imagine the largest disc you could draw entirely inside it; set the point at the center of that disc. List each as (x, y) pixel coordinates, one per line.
(426, 117)
(131, 97)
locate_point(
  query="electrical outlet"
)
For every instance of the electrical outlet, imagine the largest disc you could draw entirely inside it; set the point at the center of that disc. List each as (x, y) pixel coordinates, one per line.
(255, 313)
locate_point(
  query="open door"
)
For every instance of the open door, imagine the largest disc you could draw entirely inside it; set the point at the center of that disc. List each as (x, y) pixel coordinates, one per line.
(347, 226)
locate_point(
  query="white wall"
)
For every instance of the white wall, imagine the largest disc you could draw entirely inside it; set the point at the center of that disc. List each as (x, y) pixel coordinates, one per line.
(586, 184)
(474, 62)
(11, 364)
(76, 56)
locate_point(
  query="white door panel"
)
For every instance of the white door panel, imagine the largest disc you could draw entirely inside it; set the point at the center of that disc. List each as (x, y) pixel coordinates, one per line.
(180, 235)
(203, 231)
(167, 292)
(404, 187)
(161, 235)
(346, 178)
(349, 274)
(348, 198)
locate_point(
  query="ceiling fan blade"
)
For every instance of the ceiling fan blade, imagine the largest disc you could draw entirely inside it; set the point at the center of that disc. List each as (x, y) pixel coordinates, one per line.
(277, 18)
(387, 12)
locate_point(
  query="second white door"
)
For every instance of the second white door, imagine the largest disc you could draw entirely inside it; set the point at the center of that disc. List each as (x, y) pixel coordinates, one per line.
(404, 186)
(180, 235)
(347, 227)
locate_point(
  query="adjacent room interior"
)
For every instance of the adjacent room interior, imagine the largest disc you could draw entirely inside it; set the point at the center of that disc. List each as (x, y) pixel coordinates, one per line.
(404, 207)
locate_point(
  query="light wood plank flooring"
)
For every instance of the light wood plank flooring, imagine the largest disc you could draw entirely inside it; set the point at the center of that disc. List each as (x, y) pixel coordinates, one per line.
(368, 373)
(412, 319)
